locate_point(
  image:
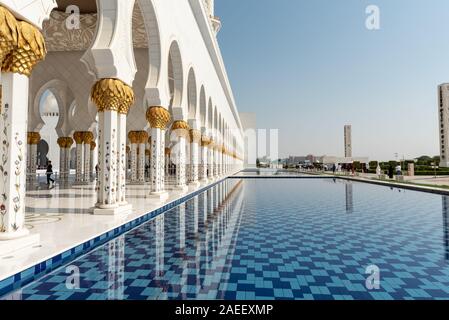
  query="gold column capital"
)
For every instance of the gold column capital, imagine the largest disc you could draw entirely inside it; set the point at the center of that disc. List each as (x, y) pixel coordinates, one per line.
(112, 95)
(93, 145)
(181, 128)
(68, 142)
(205, 141)
(132, 136)
(128, 149)
(195, 135)
(62, 142)
(143, 137)
(147, 152)
(22, 45)
(78, 136)
(158, 117)
(88, 137)
(8, 33)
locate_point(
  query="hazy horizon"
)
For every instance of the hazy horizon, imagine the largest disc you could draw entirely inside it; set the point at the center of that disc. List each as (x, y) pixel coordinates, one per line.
(309, 67)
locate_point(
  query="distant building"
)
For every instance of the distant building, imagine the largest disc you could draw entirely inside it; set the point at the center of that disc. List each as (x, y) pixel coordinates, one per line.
(329, 160)
(443, 111)
(249, 125)
(348, 141)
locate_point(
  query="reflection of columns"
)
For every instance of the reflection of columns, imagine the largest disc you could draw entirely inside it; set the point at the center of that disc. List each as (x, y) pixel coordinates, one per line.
(160, 237)
(87, 139)
(33, 140)
(349, 198)
(79, 138)
(158, 117)
(22, 47)
(116, 268)
(182, 226)
(445, 211)
(181, 130)
(203, 166)
(195, 138)
(195, 214)
(112, 97)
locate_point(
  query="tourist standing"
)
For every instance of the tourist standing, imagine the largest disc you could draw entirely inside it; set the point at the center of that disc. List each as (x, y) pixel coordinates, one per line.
(398, 170)
(378, 171)
(49, 173)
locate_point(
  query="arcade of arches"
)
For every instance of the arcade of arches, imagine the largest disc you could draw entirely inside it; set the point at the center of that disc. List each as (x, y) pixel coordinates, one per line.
(135, 102)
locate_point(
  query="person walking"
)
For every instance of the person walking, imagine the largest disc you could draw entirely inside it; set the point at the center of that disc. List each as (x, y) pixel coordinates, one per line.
(398, 170)
(49, 173)
(378, 172)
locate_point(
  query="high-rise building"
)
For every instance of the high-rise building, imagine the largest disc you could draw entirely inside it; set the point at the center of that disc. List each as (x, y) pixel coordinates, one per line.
(443, 111)
(348, 141)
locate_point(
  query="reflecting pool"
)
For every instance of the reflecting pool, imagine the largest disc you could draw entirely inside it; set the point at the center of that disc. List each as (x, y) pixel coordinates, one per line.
(272, 239)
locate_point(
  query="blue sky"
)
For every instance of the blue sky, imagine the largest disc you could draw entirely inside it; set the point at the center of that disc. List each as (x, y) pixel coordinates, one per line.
(308, 67)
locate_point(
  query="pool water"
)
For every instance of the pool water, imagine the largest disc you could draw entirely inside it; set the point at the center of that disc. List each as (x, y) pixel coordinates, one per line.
(272, 239)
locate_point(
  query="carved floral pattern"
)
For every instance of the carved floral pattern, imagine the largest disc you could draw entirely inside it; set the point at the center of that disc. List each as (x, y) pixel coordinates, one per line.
(60, 38)
(3, 169)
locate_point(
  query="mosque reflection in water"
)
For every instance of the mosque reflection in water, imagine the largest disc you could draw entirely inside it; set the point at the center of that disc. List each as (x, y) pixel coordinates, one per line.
(180, 254)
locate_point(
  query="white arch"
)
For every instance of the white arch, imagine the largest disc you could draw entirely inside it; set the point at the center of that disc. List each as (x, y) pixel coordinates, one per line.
(192, 95)
(149, 16)
(203, 108)
(176, 76)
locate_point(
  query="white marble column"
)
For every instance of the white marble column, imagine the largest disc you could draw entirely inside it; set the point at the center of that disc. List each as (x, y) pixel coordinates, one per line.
(79, 138)
(167, 161)
(107, 157)
(33, 161)
(62, 158)
(188, 164)
(158, 117)
(203, 166)
(141, 162)
(69, 143)
(13, 146)
(134, 149)
(216, 161)
(180, 162)
(180, 129)
(210, 158)
(121, 159)
(88, 137)
(195, 138)
(93, 146)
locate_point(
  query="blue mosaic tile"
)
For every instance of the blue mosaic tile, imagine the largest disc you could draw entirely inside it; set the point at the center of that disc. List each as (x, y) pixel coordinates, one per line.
(309, 239)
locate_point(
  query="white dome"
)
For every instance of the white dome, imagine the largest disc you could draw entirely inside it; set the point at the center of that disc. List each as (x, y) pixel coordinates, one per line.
(48, 103)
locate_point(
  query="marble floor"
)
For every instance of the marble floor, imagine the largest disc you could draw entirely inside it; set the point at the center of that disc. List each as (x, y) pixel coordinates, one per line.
(63, 218)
